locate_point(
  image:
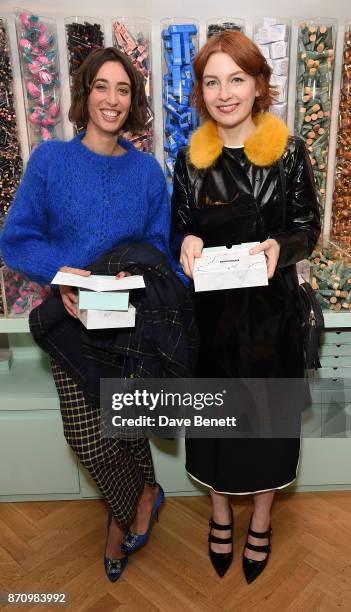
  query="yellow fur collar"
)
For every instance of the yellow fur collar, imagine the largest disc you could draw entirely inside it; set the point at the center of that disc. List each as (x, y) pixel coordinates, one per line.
(263, 148)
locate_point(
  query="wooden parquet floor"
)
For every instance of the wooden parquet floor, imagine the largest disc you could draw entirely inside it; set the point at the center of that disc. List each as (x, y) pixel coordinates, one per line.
(58, 546)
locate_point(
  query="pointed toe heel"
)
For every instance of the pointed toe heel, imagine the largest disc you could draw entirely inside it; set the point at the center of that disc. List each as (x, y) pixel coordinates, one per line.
(220, 561)
(252, 568)
(134, 541)
(114, 568)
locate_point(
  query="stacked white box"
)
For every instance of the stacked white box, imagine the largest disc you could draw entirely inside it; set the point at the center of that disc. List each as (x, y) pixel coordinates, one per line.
(94, 315)
(107, 319)
(272, 39)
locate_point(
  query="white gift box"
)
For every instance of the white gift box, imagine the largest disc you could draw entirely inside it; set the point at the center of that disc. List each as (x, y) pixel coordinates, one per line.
(103, 300)
(270, 32)
(264, 50)
(280, 66)
(97, 282)
(233, 268)
(107, 319)
(278, 31)
(263, 35)
(277, 50)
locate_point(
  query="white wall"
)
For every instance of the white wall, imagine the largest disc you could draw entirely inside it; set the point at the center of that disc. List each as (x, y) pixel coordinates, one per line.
(156, 10)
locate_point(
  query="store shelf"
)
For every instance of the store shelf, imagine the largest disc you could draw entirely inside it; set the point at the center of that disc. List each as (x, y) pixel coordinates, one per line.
(337, 319)
(29, 410)
(28, 385)
(13, 325)
(21, 325)
(36, 455)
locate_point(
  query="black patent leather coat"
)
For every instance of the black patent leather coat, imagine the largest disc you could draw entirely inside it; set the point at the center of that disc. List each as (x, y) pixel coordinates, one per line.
(225, 182)
(256, 213)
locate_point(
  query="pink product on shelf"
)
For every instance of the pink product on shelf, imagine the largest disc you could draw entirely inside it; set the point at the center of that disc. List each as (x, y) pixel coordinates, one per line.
(40, 97)
(25, 44)
(33, 90)
(45, 77)
(38, 117)
(34, 67)
(54, 109)
(45, 133)
(38, 53)
(43, 59)
(43, 41)
(26, 20)
(22, 294)
(136, 47)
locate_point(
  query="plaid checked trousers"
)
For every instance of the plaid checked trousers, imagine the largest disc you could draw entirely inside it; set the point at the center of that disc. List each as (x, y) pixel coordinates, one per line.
(120, 468)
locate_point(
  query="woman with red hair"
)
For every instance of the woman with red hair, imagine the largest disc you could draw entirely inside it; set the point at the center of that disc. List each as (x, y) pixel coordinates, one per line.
(228, 190)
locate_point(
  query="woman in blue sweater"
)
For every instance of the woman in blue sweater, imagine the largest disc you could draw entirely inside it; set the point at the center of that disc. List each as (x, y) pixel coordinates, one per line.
(77, 200)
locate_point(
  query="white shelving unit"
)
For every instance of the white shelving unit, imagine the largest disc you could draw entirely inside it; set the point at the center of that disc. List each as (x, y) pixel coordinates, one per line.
(37, 464)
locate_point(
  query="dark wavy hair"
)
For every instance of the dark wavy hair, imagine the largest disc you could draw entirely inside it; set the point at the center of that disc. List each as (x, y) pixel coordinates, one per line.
(246, 55)
(84, 78)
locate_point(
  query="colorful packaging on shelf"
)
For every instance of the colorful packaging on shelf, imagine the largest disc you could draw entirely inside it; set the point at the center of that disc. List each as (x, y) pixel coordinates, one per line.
(19, 294)
(180, 120)
(314, 77)
(37, 47)
(331, 276)
(133, 38)
(10, 153)
(83, 35)
(215, 26)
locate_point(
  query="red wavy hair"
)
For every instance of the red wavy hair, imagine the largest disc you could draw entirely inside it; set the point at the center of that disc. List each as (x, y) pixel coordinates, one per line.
(246, 55)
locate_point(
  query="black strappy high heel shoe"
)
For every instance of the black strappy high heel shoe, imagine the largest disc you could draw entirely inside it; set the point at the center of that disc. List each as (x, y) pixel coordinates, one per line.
(220, 561)
(252, 568)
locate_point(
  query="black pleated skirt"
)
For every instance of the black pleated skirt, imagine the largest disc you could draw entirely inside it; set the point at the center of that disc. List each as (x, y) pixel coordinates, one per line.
(248, 333)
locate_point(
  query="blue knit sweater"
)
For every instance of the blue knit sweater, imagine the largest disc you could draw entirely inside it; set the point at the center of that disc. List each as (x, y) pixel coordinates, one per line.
(74, 205)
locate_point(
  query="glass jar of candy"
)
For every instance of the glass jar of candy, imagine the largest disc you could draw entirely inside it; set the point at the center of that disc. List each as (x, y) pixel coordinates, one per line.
(38, 52)
(19, 295)
(179, 39)
(83, 35)
(10, 152)
(132, 36)
(341, 212)
(272, 36)
(331, 276)
(314, 77)
(215, 26)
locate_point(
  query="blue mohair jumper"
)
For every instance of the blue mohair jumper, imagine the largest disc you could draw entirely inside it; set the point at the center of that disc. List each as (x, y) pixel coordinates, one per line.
(74, 205)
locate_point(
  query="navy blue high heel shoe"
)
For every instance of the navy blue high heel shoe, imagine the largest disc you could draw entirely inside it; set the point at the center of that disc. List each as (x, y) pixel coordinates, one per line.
(134, 541)
(114, 568)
